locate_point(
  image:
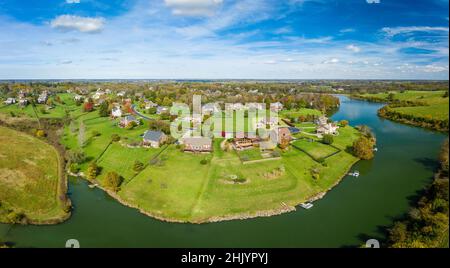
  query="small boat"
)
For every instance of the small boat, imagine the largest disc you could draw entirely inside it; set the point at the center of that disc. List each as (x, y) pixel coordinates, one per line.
(92, 186)
(354, 174)
(375, 149)
(306, 205)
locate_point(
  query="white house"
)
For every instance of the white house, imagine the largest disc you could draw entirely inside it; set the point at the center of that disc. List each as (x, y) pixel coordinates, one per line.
(10, 101)
(211, 108)
(276, 107)
(116, 112)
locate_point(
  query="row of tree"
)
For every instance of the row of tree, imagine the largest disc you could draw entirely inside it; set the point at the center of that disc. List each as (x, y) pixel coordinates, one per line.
(426, 225)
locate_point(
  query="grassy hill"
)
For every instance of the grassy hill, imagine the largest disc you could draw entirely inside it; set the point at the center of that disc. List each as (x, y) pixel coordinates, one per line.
(29, 179)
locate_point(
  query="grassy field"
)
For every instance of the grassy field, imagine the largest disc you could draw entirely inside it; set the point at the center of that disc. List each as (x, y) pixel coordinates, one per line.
(316, 149)
(437, 106)
(177, 186)
(299, 112)
(29, 177)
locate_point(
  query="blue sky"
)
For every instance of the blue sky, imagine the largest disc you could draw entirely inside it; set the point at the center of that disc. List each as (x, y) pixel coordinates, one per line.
(220, 39)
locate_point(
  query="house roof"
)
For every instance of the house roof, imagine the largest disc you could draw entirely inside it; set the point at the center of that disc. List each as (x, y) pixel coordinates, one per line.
(293, 130)
(129, 118)
(153, 135)
(198, 141)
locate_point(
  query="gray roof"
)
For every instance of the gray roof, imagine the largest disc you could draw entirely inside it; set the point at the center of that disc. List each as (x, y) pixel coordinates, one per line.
(153, 135)
(198, 141)
(130, 118)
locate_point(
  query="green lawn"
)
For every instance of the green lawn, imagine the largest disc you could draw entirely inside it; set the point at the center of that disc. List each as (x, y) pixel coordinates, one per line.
(29, 177)
(299, 112)
(179, 187)
(316, 149)
(250, 154)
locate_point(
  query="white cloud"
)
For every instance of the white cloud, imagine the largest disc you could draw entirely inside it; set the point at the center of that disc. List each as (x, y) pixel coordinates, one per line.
(193, 7)
(72, 1)
(353, 48)
(347, 30)
(331, 61)
(393, 31)
(82, 24)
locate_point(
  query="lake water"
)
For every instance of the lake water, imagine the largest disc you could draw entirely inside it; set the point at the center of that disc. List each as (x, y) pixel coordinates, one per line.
(348, 215)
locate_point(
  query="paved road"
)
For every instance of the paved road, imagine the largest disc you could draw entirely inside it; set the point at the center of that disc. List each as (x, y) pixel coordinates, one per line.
(133, 108)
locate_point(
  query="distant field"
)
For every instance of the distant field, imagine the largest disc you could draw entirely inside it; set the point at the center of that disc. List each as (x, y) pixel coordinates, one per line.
(29, 178)
(436, 106)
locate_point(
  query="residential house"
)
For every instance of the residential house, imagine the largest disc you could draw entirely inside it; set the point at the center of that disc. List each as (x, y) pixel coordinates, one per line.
(256, 106)
(150, 104)
(9, 101)
(98, 94)
(154, 138)
(116, 112)
(329, 128)
(121, 94)
(23, 102)
(162, 110)
(127, 120)
(78, 97)
(276, 107)
(324, 127)
(271, 122)
(211, 108)
(197, 144)
(43, 97)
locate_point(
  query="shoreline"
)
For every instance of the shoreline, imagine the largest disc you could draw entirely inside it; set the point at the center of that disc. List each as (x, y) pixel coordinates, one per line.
(215, 219)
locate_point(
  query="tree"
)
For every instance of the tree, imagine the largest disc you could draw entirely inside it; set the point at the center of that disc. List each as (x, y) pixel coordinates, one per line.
(81, 135)
(343, 123)
(92, 171)
(328, 139)
(113, 181)
(88, 106)
(363, 148)
(103, 109)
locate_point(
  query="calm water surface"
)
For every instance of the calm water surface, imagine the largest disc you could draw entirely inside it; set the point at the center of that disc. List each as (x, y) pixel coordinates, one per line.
(347, 216)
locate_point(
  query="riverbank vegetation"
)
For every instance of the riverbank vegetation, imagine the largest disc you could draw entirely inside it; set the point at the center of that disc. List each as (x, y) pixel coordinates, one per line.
(428, 109)
(426, 225)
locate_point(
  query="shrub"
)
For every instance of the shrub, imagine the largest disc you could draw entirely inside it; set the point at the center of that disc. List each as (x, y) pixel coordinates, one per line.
(115, 137)
(40, 133)
(138, 166)
(76, 156)
(74, 168)
(204, 162)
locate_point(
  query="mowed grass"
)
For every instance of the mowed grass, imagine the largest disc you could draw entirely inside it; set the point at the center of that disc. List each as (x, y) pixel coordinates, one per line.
(179, 187)
(29, 178)
(437, 106)
(316, 149)
(250, 154)
(299, 112)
